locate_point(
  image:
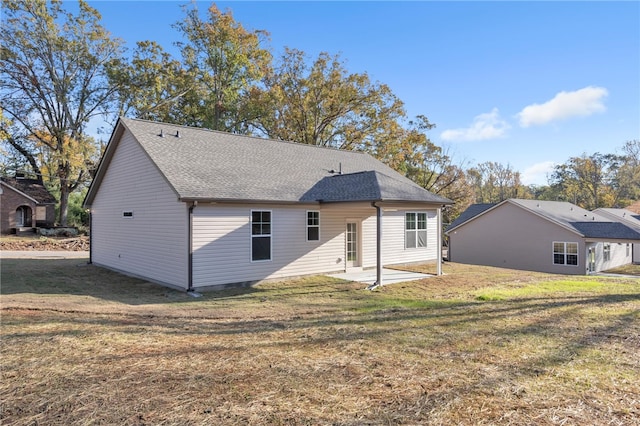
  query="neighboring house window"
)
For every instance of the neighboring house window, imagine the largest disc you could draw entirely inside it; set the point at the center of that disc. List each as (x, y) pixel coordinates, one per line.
(41, 213)
(628, 249)
(565, 253)
(606, 252)
(415, 230)
(260, 235)
(313, 226)
(127, 214)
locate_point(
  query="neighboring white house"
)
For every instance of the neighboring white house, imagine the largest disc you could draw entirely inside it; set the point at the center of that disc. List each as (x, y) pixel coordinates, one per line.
(545, 236)
(627, 217)
(193, 209)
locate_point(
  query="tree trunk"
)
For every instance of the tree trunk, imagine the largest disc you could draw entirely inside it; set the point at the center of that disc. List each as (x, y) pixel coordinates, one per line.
(64, 203)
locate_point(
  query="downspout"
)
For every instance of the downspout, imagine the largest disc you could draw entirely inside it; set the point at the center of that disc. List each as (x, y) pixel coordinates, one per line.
(439, 243)
(190, 261)
(90, 237)
(378, 282)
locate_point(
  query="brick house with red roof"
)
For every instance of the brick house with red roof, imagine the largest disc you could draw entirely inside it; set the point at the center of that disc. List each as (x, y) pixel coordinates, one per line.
(24, 204)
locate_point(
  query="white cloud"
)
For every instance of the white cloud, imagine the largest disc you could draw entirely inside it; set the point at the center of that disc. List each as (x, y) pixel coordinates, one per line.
(485, 126)
(537, 174)
(579, 103)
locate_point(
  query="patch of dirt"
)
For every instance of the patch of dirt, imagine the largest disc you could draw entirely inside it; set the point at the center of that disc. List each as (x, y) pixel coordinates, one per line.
(80, 243)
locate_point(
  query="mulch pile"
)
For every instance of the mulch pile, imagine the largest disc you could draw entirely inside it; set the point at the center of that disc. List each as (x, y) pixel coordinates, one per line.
(63, 244)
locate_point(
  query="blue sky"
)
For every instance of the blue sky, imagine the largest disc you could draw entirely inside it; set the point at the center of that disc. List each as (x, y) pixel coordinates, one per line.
(528, 84)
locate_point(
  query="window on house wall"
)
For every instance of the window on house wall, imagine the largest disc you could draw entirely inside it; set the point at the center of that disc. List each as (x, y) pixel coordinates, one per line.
(628, 249)
(565, 253)
(606, 252)
(313, 226)
(260, 235)
(41, 213)
(415, 230)
(127, 214)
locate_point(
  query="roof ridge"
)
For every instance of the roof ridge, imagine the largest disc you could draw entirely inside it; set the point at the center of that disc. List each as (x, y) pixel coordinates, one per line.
(221, 132)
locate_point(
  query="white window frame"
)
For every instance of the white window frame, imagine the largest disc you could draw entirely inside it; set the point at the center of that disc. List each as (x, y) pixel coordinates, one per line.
(312, 226)
(606, 252)
(416, 230)
(270, 235)
(127, 214)
(564, 253)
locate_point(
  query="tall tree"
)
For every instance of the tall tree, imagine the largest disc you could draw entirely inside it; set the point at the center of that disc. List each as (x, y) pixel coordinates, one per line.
(224, 62)
(17, 151)
(52, 67)
(150, 84)
(494, 182)
(433, 167)
(626, 179)
(322, 104)
(586, 180)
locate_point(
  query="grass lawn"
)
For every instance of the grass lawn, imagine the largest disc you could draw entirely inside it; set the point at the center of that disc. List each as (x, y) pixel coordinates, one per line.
(479, 345)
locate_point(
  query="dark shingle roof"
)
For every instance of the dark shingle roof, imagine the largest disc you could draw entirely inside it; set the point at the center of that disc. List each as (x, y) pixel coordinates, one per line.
(209, 165)
(472, 211)
(365, 186)
(31, 188)
(624, 216)
(613, 230)
(581, 221)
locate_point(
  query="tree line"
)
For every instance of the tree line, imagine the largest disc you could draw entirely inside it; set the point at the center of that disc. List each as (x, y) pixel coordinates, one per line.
(60, 70)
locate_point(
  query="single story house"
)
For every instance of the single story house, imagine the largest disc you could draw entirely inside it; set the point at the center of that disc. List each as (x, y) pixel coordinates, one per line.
(545, 236)
(630, 219)
(25, 204)
(194, 209)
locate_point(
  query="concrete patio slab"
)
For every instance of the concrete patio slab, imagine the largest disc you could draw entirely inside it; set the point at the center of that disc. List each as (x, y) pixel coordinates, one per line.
(389, 276)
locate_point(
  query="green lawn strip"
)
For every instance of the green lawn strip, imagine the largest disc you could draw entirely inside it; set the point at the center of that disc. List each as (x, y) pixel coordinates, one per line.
(565, 285)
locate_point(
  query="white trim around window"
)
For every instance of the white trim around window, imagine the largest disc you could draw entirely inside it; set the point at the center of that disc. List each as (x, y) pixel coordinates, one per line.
(313, 225)
(261, 222)
(565, 253)
(415, 230)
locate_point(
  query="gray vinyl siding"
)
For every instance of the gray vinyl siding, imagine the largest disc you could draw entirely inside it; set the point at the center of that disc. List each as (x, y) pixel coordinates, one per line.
(154, 243)
(620, 216)
(511, 237)
(222, 241)
(618, 255)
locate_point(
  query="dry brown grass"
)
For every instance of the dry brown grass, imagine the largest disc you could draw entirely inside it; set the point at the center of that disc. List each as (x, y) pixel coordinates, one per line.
(81, 345)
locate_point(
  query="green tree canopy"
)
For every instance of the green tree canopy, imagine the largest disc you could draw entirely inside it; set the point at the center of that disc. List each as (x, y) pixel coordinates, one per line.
(224, 62)
(322, 104)
(150, 84)
(494, 182)
(53, 73)
(589, 180)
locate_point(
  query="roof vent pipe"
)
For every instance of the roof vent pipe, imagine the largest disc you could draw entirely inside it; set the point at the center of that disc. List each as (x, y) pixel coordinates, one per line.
(177, 133)
(161, 134)
(340, 168)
